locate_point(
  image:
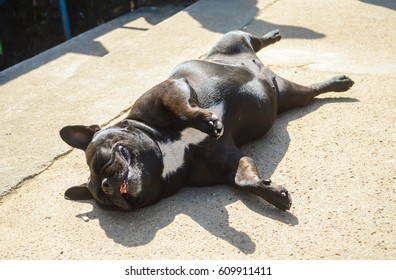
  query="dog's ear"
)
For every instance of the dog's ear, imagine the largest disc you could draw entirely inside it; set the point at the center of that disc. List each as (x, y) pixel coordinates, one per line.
(78, 193)
(78, 136)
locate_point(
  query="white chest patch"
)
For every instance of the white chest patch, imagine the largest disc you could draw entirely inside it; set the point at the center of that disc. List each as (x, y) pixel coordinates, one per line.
(173, 152)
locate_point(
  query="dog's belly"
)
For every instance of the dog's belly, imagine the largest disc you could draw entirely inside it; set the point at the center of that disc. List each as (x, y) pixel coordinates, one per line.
(174, 151)
(251, 113)
(248, 95)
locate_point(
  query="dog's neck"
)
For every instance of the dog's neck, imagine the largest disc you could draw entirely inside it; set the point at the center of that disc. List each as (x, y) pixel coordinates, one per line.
(149, 131)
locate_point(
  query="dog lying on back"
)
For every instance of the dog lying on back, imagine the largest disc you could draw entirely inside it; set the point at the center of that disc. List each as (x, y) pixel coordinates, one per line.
(187, 130)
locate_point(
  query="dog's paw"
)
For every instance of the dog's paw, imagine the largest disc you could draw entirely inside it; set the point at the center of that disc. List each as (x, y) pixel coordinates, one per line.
(273, 36)
(340, 83)
(278, 196)
(216, 127)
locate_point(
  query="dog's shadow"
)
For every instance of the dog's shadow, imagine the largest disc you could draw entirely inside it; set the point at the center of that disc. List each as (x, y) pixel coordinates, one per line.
(207, 206)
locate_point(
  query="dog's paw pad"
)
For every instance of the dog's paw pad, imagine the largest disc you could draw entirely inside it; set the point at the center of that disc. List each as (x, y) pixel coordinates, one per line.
(216, 127)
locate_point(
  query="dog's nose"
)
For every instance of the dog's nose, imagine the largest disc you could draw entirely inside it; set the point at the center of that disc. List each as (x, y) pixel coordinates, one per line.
(106, 186)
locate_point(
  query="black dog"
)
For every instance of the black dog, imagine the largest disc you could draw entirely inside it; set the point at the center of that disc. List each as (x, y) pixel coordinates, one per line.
(186, 131)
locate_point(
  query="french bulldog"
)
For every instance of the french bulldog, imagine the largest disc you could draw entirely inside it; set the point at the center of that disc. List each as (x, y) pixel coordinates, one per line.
(187, 130)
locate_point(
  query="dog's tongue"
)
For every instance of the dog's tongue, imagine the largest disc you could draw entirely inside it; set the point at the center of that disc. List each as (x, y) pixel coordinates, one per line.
(123, 187)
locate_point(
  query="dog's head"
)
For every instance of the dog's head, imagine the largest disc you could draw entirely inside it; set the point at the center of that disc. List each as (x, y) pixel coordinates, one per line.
(124, 161)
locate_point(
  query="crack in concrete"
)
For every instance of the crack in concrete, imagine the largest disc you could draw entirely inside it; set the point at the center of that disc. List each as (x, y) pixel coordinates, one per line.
(54, 160)
(33, 176)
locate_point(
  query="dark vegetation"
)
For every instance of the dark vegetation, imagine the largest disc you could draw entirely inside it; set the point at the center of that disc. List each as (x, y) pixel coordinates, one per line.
(28, 27)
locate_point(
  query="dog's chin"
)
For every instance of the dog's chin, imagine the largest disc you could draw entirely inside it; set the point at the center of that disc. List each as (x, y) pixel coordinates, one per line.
(123, 196)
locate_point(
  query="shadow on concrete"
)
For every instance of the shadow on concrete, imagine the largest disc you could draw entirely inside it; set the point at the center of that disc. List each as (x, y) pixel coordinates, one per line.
(390, 4)
(207, 206)
(276, 142)
(260, 27)
(249, 11)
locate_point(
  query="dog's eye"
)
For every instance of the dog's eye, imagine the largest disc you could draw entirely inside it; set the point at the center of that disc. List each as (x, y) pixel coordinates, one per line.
(125, 153)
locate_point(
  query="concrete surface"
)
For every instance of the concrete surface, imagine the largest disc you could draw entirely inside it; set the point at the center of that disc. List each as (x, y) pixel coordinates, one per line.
(337, 156)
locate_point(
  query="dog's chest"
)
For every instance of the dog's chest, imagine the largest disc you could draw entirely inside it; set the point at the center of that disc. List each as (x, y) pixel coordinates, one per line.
(174, 151)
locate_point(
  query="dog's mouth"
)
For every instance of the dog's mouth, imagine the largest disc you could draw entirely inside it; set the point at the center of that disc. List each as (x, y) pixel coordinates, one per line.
(117, 191)
(124, 187)
(113, 186)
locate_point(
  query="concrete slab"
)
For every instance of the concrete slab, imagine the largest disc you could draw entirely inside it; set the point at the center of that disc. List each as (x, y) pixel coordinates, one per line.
(336, 156)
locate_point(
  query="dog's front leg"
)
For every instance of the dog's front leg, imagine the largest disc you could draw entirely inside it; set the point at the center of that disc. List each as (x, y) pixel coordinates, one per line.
(174, 105)
(205, 121)
(247, 177)
(184, 110)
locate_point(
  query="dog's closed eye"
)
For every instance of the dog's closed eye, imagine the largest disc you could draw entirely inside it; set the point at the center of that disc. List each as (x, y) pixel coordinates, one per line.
(125, 153)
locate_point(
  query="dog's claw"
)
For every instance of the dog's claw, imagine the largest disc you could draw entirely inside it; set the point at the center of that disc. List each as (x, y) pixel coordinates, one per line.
(219, 129)
(267, 182)
(216, 127)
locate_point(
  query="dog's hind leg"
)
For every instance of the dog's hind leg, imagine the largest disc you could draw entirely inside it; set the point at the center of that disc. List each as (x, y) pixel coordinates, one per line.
(239, 42)
(270, 38)
(248, 178)
(232, 168)
(292, 95)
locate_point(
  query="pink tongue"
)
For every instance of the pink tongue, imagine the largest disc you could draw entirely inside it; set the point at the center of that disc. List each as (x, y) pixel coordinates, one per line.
(123, 187)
